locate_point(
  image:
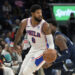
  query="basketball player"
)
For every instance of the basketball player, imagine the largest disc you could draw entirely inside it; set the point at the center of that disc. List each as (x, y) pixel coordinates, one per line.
(62, 44)
(39, 33)
(64, 47)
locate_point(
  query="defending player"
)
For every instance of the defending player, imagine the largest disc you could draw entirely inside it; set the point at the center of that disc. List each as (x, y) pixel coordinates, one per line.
(62, 44)
(39, 33)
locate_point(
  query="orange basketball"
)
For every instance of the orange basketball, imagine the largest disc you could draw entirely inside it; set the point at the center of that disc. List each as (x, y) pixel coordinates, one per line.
(50, 55)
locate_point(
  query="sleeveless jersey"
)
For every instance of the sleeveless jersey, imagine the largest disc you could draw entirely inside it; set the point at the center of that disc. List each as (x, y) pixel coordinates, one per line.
(35, 36)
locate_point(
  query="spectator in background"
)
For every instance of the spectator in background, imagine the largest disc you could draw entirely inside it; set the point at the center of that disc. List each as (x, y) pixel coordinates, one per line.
(2, 43)
(17, 23)
(71, 27)
(0, 50)
(7, 7)
(19, 54)
(16, 57)
(15, 27)
(19, 57)
(9, 20)
(6, 54)
(6, 27)
(46, 10)
(1, 55)
(8, 38)
(27, 13)
(2, 58)
(13, 53)
(6, 22)
(17, 12)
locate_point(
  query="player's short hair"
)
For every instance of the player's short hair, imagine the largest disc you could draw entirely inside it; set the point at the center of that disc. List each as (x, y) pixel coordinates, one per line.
(35, 7)
(53, 22)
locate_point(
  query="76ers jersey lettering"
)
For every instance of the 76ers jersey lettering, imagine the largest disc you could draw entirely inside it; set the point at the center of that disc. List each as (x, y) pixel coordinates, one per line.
(35, 36)
(33, 33)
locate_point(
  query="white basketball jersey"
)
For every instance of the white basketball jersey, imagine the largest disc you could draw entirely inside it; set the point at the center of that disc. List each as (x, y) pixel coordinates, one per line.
(35, 36)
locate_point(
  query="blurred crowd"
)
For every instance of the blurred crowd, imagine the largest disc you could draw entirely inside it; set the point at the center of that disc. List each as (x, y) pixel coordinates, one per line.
(11, 58)
(11, 13)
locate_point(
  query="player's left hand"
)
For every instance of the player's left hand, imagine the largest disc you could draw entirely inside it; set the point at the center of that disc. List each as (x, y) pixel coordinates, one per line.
(47, 65)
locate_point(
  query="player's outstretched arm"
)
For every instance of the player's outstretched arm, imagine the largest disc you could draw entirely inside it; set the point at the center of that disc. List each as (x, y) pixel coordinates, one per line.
(60, 41)
(47, 31)
(50, 54)
(20, 32)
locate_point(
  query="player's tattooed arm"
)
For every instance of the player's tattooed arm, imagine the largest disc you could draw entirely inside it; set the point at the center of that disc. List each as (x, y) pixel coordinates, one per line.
(60, 41)
(46, 29)
(20, 32)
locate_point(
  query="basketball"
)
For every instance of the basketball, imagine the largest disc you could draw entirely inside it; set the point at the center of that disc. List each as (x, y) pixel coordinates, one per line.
(50, 55)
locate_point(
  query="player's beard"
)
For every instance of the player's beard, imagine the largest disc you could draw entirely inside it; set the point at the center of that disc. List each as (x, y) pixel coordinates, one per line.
(38, 20)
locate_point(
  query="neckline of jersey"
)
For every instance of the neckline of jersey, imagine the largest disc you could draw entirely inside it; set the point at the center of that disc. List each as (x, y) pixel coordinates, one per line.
(32, 25)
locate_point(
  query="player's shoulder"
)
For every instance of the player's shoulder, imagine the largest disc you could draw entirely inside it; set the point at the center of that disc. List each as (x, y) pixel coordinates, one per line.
(24, 20)
(45, 24)
(46, 28)
(58, 35)
(43, 20)
(60, 38)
